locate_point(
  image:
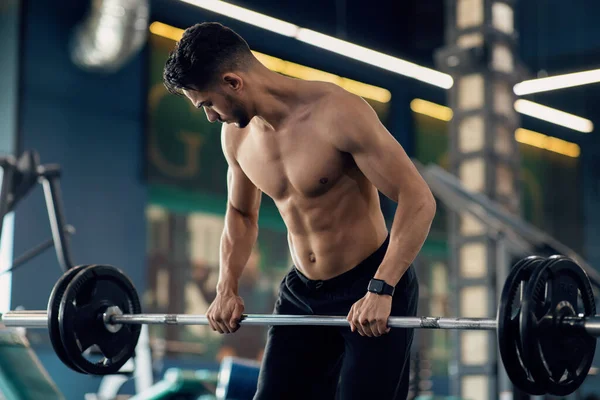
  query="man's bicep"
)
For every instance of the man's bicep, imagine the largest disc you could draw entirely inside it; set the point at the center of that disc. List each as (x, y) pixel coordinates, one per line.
(242, 194)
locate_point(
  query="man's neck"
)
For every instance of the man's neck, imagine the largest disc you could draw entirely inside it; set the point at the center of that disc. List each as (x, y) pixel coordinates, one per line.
(275, 97)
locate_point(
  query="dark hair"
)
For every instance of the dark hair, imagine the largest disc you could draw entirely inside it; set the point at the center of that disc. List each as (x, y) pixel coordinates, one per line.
(204, 52)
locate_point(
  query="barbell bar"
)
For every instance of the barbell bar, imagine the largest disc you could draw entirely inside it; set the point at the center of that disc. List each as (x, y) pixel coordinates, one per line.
(38, 319)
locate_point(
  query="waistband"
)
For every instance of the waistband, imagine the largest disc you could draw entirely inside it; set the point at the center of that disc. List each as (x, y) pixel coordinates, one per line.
(368, 266)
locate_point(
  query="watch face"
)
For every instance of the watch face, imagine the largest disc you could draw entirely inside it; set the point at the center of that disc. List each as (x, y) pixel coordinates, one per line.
(377, 286)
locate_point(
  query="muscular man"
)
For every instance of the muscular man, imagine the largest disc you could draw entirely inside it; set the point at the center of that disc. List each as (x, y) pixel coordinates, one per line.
(322, 154)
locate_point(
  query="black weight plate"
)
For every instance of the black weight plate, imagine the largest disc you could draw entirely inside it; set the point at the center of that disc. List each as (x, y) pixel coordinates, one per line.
(86, 298)
(509, 338)
(558, 358)
(53, 322)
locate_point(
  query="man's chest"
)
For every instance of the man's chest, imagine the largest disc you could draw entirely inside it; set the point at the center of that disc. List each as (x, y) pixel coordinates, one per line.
(297, 161)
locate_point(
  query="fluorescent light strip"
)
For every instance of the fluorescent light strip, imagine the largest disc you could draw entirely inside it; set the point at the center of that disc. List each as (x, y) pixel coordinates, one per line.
(550, 143)
(330, 43)
(522, 106)
(557, 82)
(430, 109)
(524, 136)
(247, 16)
(166, 31)
(307, 73)
(375, 58)
(553, 115)
(293, 69)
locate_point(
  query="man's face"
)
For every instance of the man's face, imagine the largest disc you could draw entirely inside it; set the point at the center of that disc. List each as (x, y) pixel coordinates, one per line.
(220, 105)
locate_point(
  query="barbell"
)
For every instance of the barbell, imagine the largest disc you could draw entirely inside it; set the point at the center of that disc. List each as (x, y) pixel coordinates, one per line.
(546, 323)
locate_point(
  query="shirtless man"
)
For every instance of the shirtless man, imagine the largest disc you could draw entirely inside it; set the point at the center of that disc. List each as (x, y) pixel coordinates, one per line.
(322, 154)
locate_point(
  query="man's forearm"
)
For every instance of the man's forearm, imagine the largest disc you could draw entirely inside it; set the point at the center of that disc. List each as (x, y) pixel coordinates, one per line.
(238, 239)
(408, 233)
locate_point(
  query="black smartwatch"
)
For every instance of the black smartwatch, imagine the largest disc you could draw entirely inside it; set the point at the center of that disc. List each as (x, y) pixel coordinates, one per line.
(378, 286)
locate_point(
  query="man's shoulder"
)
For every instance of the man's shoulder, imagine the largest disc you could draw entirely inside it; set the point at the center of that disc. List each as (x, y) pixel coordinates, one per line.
(328, 101)
(325, 91)
(333, 98)
(230, 140)
(229, 131)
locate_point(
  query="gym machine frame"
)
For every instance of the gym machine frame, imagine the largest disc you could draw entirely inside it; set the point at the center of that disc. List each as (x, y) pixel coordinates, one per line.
(19, 177)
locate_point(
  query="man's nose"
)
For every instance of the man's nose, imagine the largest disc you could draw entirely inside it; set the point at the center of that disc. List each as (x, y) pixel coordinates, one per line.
(211, 115)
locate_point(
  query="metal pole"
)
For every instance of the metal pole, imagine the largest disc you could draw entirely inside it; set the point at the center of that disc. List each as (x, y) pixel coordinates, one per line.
(592, 325)
(36, 251)
(6, 195)
(57, 219)
(39, 319)
(25, 319)
(268, 319)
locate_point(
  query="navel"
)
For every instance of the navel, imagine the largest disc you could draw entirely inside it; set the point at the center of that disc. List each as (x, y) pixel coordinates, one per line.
(323, 180)
(312, 258)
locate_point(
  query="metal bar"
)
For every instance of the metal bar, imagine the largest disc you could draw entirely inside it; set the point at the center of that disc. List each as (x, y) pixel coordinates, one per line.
(268, 319)
(36, 251)
(25, 319)
(39, 319)
(592, 325)
(7, 165)
(494, 212)
(456, 203)
(57, 219)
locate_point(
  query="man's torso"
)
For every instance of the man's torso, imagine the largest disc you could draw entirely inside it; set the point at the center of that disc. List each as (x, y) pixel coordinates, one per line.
(331, 210)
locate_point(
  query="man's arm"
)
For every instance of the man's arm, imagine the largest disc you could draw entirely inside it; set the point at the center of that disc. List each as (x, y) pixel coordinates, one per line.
(358, 131)
(238, 238)
(241, 221)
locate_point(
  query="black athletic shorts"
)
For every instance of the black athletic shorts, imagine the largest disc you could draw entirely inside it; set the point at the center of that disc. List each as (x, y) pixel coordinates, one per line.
(321, 362)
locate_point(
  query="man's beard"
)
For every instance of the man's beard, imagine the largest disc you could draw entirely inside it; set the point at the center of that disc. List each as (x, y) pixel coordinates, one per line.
(240, 117)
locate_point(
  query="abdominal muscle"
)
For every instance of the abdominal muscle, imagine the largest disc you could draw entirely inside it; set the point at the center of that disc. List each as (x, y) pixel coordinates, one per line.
(332, 233)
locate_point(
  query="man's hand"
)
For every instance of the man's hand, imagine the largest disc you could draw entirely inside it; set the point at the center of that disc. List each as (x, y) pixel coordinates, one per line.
(369, 315)
(225, 312)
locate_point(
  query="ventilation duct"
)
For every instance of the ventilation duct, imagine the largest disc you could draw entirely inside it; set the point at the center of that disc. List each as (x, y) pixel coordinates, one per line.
(110, 34)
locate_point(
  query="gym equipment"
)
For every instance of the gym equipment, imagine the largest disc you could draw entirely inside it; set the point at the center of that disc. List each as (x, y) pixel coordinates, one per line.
(19, 177)
(546, 322)
(562, 350)
(509, 312)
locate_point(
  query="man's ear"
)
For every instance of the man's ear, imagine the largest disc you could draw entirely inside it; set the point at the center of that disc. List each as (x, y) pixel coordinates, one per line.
(233, 81)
